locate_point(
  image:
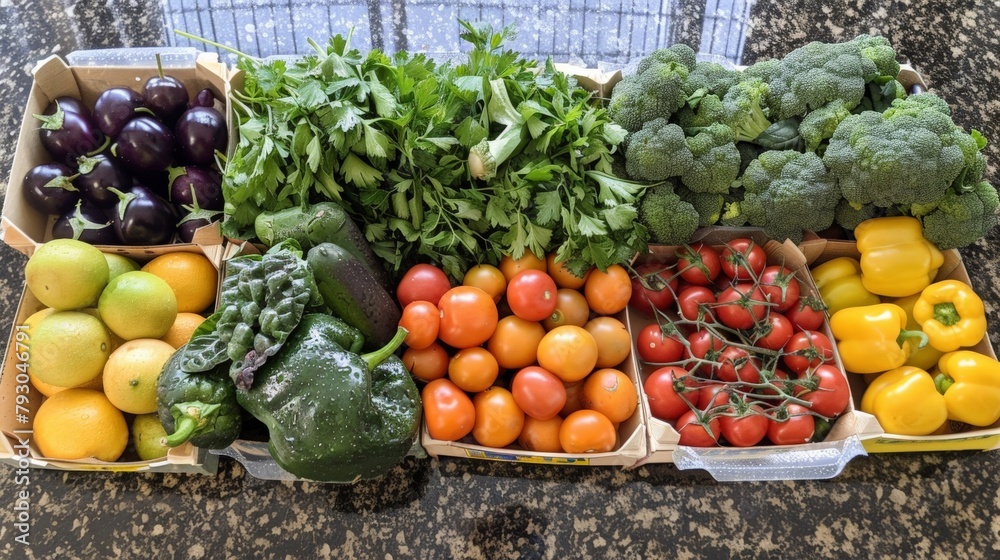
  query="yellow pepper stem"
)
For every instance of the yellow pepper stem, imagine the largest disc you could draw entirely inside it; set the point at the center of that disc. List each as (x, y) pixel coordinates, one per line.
(942, 382)
(905, 335)
(946, 314)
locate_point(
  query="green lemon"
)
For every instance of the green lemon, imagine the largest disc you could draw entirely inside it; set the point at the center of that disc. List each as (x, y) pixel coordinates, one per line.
(138, 305)
(119, 264)
(66, 274)
(149, 437)
(68, 348)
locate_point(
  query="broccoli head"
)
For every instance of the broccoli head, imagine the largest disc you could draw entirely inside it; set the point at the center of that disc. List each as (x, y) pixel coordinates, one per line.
(708, 205)
(716, 160)
(961, 218)
(657, 91)
(700, 112)
(669, 220)
(892, 159)
(657, 151)
(678, 53)
(818, 126)
(788, 192)
(745, 108)
(712, 78)
(848, 216)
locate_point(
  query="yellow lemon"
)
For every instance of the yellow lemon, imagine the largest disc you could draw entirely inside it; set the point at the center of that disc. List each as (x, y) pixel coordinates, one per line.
(96, 384)
(149, 437)
(66, 274)
(68, 348)
(191, 276)
(119, 264)
(182, 329)
(131, 373)
(138, 305)
(79, 424)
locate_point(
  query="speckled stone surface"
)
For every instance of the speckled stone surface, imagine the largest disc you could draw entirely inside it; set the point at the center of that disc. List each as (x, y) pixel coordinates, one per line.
(940, 505)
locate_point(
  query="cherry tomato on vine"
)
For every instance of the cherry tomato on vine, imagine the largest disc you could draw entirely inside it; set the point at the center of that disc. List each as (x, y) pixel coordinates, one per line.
(468, 317)
(498, 418)
(531, 295)
(698, 263)
(422, 320)
(487, 278)
(713, 394)
(693, 431)
(587, 431)
(747, 429)
(742, 259)
(793, 426)
(807, 314)
(737, 365)
(780, 286)
(741, 306)
(696, 300)
(778, 378)
(670, 392)
(655, 346)
(807, 349)
(448, 412)
(773, 332)
(832, 393)
(661, 290)
(539, 393)
(704, 345)
(422, 282)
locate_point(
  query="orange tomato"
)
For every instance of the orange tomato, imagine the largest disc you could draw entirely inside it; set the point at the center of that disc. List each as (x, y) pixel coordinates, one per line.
(613, 340)
(473, 369)
(562, 275)
(422, 320)
(541, 435)
(449, 413)
(427, 364)
(498, 418)
(528, 261)
(608, 292)
(574, 398)
(515, 342)
(611, 393)
(571, 309)
(570, 352)
(487, 278)
(538, 392)
(468, 317)
(587, 431)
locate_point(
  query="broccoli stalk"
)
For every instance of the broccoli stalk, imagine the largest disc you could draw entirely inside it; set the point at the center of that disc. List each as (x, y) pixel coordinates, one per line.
(486, 156)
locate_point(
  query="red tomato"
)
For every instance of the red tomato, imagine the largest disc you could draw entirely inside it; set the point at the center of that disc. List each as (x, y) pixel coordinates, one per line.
(538, 392)
(498, 418)
(422, 320)
(448, 412)
(695, 301)
(671, 391)
(742, 259)
(807, 314)
(659, 291)
(698, 263)
(531, 295)
(807, 349)
(422, 282)
(655, 346)
(468, 317)
(693, 432)
(780, 286)
(736, 364)
(704, 345)
(777, 378)
(773, 332)
(831, 394)
(741, 306)
(746, 429)
(713, 394)
(792, 426)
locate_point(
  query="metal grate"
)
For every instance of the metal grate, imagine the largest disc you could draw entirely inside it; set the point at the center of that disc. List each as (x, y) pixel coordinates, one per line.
(584, 32)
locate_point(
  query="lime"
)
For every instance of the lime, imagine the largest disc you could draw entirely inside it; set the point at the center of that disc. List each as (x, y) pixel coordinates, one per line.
(149, 437)
(66, 274)
(68, 348)
(138, 305)
(119, 264)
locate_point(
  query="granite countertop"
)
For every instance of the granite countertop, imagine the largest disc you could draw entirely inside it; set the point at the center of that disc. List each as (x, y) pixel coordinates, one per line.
(929, 505)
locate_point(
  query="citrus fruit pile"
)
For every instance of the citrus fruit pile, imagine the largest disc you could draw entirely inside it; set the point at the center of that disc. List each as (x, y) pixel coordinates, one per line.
(97, 347)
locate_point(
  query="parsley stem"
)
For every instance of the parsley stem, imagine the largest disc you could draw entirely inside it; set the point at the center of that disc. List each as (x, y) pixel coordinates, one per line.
(213, 43)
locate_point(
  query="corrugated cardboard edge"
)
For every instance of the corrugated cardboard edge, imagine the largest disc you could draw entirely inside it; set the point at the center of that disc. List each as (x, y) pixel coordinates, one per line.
(185, 458)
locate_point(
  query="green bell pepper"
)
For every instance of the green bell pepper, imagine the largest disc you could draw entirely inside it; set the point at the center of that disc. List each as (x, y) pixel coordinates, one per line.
(198, 407)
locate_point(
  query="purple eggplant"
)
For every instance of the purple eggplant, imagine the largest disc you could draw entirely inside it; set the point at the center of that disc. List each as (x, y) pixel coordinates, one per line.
(49, 188)
(200, 132)
(67, 135)
(143, 218)
(192, 221)
(191, 183)
(86, 223)
(115, 107)
(97, 175)
(165, 95)
(145, 146)
(70, 104)
(204, 98)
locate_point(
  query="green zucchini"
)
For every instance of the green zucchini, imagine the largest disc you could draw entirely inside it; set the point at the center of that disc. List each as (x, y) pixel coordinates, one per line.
(353, 293)
(323, 222)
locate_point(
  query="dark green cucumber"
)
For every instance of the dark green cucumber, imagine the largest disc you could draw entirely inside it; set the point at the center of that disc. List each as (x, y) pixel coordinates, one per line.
(323, 222)
(353, 293)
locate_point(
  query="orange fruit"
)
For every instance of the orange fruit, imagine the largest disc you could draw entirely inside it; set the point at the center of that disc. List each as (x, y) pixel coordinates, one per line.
(192, 277)
(182, 329)
(79, 424)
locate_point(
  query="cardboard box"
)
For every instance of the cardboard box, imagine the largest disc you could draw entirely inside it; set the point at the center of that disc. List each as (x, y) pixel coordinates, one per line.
(873, 436)
(24, 228)
(19, 400)
(764, 462)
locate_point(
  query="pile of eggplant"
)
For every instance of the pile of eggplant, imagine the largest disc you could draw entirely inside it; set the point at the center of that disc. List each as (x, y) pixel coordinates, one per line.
(138, 168)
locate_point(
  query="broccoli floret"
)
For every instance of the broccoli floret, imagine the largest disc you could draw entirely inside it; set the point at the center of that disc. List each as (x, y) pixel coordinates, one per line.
(701, 112)
(712, 78)
(656, 92)
(917, 105)
(879, 50)
(716, 162)
(668, 219)
(708, 205)
(788, 192)
(657, 151)
(896, 158)
(848, 216)
(818, 126)
(678, 53)
(960, 219)
(732, 214)
(745, 108)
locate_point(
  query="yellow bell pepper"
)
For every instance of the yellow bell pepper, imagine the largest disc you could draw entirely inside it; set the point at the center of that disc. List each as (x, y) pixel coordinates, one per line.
(970, 383)
(839, 283)
(896, 260)
(906, 401)
(951, 314)
(872, 338)
(923, 358)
